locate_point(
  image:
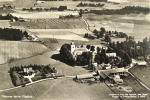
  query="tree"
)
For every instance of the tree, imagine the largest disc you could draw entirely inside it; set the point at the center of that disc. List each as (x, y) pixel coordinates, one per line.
(96, 32)
(127, 58)
(98, 50)
(120, 64)
(92, 48)
(106, 60)
(80, 13)
(88, 47)
(102, 59)
(107, 38)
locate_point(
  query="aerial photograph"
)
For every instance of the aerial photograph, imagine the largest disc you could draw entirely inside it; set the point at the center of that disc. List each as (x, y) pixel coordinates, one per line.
(74, 50)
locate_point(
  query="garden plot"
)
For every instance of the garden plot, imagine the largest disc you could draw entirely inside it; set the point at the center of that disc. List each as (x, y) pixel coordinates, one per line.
(68, 34)
(51, 23)
(12, 50)
(38, 15)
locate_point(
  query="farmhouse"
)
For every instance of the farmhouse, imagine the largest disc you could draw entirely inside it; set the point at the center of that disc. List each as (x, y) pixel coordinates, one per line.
(117, 79)
(139, 62)
(27, 70)
(111, 72)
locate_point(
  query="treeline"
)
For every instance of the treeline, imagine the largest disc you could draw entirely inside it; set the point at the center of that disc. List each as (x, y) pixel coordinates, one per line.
(11, 34)
(125, 10)
(90, 5)
(100, 34)
(8, 17)
(60, 8)
(66, 55)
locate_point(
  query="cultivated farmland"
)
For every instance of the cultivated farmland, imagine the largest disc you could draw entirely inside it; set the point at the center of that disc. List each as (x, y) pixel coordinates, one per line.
(4, 24)
(38, 15)
(11, 50)
(64, 89)
(53, 23)
(142, 73)
(132, 24)
(67, 34)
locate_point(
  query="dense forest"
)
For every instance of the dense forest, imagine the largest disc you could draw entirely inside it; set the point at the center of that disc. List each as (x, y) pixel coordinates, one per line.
(11, 34)
(125, 10)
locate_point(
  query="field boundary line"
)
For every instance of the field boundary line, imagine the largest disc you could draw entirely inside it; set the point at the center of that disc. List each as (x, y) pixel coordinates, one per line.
(139, 81)
(87, 25)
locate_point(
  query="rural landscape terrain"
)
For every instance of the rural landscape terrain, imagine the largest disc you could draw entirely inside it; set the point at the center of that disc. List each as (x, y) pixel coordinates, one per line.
(74, 49)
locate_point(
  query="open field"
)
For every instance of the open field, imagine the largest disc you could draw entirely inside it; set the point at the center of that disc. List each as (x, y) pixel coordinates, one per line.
(43, 59)
(39, 15)
(67, 34)
(23, 3)
(132, 24)
(142, 73)
(51, 23)
(6, 11)
(64, 89)
(11, 50)
(4, 24)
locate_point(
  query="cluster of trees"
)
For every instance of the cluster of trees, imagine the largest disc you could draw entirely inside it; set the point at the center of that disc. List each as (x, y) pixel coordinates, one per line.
(44, 69)
(84, 59)
(108, 34)
(66, 55)
(11, 34)
(145, 45)
(118, 34)
(68, 16)
(126, 50)
(16, 73)
(8, 17)
(101, 57)
(107, 38)
(125, 10)
(100, 33)
(62, 8)
(90, 5)
(89, 36)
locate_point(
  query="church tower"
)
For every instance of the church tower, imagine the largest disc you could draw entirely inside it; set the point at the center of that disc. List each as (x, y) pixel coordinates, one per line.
(73, 47)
